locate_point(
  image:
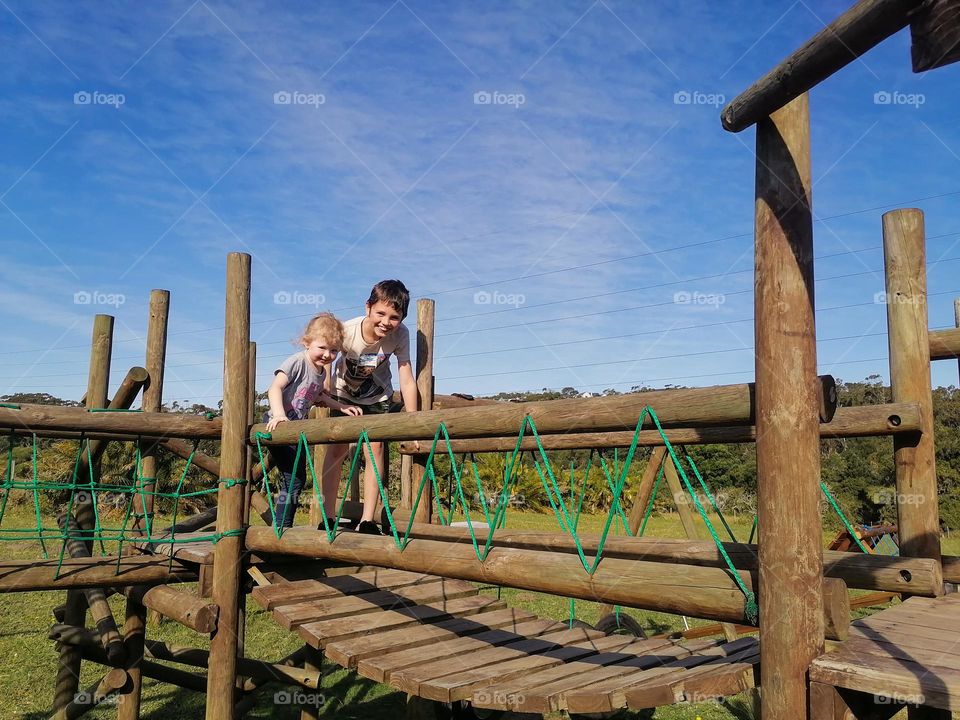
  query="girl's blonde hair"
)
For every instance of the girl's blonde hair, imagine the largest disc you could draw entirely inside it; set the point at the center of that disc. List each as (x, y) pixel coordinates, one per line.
(324, 326)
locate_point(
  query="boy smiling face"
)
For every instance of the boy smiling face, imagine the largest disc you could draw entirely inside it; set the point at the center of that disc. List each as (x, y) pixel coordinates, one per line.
(381, 320)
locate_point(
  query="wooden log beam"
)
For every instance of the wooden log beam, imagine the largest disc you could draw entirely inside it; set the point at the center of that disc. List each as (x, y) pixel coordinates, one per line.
(788, 398)
(135, 610)
(112, 682)
(180, 605)
(935, 35)
(856, 31)
(257, 669)
(945, 344)
(79, 573)
(862, 421)
(52, 421)
(457, 400)
(685, 590)
(75, 609)
(904, 253)
(688, 407)
(156, 671)
(96, 598)
(222, 678)
(916, 576)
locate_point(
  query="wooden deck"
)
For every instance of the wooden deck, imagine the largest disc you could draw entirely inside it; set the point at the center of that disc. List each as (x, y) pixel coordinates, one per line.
(909, 654)
(439, 639)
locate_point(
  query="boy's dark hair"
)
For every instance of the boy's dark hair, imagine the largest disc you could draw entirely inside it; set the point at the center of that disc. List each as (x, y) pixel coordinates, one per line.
(392, 292)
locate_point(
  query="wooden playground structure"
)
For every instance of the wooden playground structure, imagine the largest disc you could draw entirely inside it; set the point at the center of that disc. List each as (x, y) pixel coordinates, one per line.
(409, 614)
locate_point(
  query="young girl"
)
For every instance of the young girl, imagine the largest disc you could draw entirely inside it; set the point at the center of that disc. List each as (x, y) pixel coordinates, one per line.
(298, 385)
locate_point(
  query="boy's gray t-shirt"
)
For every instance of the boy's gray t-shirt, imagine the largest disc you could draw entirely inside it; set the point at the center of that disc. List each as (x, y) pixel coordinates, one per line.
(306, 383)
(363, 369)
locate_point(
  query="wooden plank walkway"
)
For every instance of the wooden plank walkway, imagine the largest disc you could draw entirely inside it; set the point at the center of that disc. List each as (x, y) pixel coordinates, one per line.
(909, 653)
(439, 639)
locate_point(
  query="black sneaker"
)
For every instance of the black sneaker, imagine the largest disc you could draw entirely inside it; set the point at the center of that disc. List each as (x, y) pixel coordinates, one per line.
(331, 523)
(368, 527)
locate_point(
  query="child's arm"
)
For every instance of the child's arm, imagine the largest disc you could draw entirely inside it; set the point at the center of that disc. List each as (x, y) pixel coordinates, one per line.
(275, 396)
(408, 390)
(326, 401)
(408, 387)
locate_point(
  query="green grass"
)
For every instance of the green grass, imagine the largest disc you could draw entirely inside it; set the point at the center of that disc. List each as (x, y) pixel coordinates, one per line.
(29, 667)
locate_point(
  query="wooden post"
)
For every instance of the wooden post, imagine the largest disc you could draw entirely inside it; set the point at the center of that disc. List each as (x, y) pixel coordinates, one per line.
(319, 454)
(681, 499)
(788, 397)
(918, 515)
(135, 622)
(426, 311)
(222, 677)
(75, 613)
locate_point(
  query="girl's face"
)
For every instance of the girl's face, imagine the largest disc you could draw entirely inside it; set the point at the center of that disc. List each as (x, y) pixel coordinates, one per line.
(320, 351)
(383, 318)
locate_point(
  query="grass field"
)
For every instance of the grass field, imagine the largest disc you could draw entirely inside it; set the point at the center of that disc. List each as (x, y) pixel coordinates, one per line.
(29, 667)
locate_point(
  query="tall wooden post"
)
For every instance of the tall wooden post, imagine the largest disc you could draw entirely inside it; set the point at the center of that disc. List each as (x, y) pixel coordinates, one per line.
(904, 254)
(222, 675)
(787, 413)
(75, 613)
(135, 623)
(426, 311)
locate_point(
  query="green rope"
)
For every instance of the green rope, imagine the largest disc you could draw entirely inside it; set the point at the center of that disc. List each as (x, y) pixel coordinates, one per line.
(10, 406)
(710, 497)
(836, 507)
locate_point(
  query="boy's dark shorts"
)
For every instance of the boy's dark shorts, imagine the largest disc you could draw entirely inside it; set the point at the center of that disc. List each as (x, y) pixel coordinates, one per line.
(379, 408)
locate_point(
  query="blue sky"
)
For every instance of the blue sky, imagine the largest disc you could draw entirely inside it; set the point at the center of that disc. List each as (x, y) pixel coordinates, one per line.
(554, 175)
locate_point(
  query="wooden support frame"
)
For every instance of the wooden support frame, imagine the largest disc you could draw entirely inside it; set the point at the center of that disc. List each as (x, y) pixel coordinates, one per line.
(720, 405)
(863, 421)
(862, 27)
(221, 680)
(904, 252)
(633, 583)
(788, 439)
(426, 316)
(135, 620)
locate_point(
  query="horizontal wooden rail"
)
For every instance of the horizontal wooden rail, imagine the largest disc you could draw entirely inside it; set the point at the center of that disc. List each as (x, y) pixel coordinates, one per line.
(51, 421)
(75, 573)
(690, 590)
(863, 421)
(862, 27)
(691, 407)
(945, 344)
(916, 576)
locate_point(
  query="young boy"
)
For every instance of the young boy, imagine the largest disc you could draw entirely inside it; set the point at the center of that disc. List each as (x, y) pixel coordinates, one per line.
(363, 379)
